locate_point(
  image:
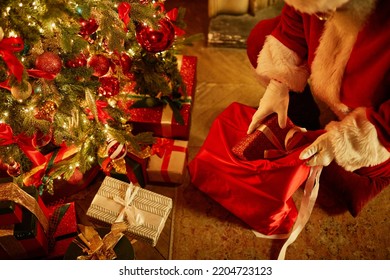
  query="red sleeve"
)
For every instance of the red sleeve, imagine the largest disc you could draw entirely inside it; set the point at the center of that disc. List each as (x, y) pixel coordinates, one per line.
(290, 31)
(381, 120)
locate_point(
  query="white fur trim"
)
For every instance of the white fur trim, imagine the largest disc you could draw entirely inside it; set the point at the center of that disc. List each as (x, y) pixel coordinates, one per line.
(334, 50)
(277, 62)
(355, 142)
(315, 6)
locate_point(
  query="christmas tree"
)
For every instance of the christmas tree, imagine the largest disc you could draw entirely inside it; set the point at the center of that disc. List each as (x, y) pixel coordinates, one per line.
(66, 68)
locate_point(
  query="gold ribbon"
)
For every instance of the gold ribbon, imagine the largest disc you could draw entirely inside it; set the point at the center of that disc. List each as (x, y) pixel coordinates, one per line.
(10, 244)
(12, 192)
(166, 121)
(96, 247)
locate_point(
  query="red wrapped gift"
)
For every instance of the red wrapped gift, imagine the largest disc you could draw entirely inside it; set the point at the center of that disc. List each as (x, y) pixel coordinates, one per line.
(270, 141)
(61, 188)
(168, 161)
(160, 119)
(28, 239)
(62, 228)
(259, 192)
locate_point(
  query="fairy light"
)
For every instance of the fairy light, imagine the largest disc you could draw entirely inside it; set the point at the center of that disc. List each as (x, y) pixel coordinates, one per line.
(20, 4)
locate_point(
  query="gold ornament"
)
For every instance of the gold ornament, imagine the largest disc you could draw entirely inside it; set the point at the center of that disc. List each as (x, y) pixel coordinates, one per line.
(21, 92)
(46, 111)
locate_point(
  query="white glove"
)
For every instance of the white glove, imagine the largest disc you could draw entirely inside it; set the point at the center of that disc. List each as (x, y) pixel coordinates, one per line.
(274, 100)
(320, 152)
(352, 143)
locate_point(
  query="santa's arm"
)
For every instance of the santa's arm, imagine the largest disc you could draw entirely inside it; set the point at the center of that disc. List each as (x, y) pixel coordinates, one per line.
(361, 139)
(283, 56)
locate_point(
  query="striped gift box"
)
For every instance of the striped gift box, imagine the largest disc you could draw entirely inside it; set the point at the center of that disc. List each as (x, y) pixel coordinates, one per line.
(145, 212)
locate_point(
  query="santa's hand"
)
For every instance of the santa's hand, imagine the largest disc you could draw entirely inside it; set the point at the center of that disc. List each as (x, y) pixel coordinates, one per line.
(275, 100)
(320, 152)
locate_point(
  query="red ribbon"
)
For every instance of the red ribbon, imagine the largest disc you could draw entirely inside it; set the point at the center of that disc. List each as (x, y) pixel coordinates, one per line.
(165, 147)
(103, 116)
(40, 74)
(23, 141)
(7, 47)
(161, 146)
(172, 16)
(124, 10)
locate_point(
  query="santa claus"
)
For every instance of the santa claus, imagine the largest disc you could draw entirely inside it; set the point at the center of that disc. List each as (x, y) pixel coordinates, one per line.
(340, 48)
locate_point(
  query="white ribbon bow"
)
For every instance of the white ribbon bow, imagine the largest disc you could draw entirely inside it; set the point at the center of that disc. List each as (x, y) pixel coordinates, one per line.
(129, 212)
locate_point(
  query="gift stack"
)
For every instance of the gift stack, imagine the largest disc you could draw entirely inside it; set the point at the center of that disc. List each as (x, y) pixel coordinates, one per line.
(29, 229)
(165, 161)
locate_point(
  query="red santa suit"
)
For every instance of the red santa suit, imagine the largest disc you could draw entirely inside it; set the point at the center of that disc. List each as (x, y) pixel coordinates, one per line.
(346, 60)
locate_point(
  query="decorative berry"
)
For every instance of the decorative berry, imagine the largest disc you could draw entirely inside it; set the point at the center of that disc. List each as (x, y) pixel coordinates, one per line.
(79, 61)
(109, 86)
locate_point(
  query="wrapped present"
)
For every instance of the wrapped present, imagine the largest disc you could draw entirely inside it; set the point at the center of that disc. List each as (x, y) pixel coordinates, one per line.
(259, 192)
(62, 228)
(270, 141)
(168, 162)
(57, 189)
(28, 239)
(160, 119)
(143, 211)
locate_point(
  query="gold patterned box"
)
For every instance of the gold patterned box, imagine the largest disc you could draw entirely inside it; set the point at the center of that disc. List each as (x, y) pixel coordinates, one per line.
(145, 212)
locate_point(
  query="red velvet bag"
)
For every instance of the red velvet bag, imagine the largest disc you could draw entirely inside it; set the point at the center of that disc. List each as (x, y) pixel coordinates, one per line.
(259, 192)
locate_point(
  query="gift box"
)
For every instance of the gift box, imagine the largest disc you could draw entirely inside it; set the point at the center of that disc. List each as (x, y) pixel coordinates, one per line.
(259, 192)
(28, 239)
(168, 162)
(269, 140)
(62, 228)
(160, 119)
(143, 211)
(61, 188)
(10, 213)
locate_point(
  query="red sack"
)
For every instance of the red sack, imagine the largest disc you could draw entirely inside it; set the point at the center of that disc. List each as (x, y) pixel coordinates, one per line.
(259, 192)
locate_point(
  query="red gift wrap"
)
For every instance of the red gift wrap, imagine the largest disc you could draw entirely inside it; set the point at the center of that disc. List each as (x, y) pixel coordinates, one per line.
(259, 192)
(270, 141)
(62, 228)
(160, 119)
(28, 239)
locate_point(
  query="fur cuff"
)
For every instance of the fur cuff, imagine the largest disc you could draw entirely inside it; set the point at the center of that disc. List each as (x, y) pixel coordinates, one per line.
(277, 62)
(315, 6)
(355, 142)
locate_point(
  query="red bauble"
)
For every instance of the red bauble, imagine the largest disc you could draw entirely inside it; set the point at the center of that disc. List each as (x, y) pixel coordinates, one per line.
(156, 40)
(49, 62)
(79, 61)
(76, 177)
(116, 150)
(100, 64)
(109, 86)
(40, 139)
(126, 63)
(88, 27)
